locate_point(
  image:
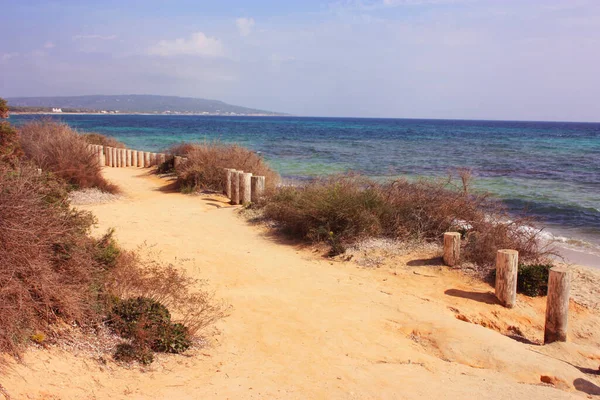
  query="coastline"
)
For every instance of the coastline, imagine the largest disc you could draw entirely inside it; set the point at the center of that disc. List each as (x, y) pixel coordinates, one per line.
(304, 155)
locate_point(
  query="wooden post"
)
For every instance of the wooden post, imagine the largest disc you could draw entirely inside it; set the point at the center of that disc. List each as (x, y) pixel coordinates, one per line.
(152, 159)
(557, 305)
(163, 158)
(123, 158)
(128, 158)
(507, 266)
(257, 187)
(245, 184)
(106, 156)
(177, 161)
(117, 158)
(227, 184)
(235, 187)
(134, 159)
(109, 156)
(140, 159)
(147, 159)
(451, 248)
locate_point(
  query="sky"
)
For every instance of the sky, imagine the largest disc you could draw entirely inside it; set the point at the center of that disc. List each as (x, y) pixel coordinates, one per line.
(471, 59)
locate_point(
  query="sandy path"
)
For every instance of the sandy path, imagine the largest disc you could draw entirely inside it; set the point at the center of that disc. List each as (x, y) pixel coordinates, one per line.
(302, 327)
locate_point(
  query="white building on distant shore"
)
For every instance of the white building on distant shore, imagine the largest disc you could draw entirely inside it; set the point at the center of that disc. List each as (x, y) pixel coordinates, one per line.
(57, 110)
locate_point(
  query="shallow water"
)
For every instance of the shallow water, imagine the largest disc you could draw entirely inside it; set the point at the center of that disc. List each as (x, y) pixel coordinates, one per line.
(551, 169)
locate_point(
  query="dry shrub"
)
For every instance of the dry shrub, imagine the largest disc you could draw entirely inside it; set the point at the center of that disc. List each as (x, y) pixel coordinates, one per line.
(349, 206)
(204, 168)
(102, 140)
(55, 147)
(343, 209)
(142, 274)
(10, 148)
(46, 268)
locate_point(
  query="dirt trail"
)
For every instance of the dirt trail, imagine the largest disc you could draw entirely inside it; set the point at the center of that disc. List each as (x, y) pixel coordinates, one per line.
(302, 327)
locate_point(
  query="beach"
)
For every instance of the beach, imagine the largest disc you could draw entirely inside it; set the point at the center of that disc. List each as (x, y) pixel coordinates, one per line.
(304, 326)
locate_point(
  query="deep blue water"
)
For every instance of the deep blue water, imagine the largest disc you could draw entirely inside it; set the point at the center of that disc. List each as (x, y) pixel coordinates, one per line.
(552, 169)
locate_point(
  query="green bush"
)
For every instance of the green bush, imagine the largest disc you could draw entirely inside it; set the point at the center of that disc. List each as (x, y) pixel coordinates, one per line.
(135, 317)
(127, 353)
(172, 338)
(148, 324)
(533, 279)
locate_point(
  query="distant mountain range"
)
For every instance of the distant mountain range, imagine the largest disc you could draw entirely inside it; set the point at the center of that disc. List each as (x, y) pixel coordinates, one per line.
(132, 104)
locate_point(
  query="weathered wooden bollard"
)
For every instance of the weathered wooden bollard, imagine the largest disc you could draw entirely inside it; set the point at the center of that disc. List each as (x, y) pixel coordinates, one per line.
(147, 159)
(245, 185)
(507, 267)
(101, 158)
(451, 248)
(140, 162)
(123, 158)
(177, 160)
(163, 158)
(109, 158)
(119, 158)
(134, 160)
(152, 159)
(257, 187)
(227, 181)
(557, 305)
(235, 186)
(113, 152)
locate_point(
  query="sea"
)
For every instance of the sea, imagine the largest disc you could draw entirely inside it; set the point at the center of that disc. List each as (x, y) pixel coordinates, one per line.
(550, 170)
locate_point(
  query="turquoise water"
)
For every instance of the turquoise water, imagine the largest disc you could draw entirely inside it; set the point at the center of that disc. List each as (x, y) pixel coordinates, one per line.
(549, 169)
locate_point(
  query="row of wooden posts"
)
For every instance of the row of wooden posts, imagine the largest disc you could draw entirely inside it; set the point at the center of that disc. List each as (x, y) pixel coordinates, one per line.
(118, 157)
(507, 269)
(242, 187)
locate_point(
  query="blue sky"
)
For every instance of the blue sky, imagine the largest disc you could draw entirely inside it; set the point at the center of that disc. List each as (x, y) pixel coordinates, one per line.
(484, 59)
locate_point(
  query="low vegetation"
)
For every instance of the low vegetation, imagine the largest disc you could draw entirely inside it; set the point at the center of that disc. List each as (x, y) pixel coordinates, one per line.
(532, 279)
(343, 209)
(56, 148)
(53, 273)
(102, 140)
(204, 168)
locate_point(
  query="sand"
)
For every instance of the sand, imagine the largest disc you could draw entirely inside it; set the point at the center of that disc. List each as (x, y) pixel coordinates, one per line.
(304, 327)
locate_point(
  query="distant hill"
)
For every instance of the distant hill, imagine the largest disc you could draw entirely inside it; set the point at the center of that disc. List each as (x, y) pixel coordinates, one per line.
(134, 104)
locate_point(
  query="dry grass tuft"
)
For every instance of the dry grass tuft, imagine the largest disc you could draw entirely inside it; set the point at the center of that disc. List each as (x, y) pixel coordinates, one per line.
(204, 168)
(57, 148)
(143, 274)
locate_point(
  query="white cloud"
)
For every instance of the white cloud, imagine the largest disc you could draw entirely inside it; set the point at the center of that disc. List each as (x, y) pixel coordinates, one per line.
(245, 25)
(98, 37)
(198, 44)
(49, 45)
